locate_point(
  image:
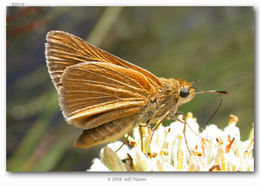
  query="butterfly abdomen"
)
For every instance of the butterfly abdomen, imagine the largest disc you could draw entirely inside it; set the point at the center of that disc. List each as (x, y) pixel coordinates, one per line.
(108, 132)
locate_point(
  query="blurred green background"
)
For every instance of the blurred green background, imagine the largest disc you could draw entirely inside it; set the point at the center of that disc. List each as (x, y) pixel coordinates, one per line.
(212, 44)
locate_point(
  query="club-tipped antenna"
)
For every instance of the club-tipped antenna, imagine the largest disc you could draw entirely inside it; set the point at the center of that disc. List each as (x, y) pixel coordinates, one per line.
(212, 92)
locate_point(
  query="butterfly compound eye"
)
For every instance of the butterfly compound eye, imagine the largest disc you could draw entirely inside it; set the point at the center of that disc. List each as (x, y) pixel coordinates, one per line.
(184, 92)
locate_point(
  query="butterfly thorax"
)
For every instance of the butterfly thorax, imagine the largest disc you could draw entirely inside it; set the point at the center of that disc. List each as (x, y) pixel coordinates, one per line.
(164, 102)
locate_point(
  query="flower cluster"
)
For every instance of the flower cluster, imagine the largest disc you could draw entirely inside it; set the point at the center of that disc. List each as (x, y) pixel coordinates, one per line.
(172, 148)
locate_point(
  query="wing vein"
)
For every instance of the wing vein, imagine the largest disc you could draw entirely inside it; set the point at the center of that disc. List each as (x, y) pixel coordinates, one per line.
(114, 80)
(107, 106)
(58, 44)
(127, 77)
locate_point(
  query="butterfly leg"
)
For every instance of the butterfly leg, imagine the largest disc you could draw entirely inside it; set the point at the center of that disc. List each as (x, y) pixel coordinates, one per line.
(159, 122)
(175, 117)
(125, 141)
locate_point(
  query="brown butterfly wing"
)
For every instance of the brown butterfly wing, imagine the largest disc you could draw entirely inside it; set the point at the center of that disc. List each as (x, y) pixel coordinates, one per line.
(94, 93)
(64, 49)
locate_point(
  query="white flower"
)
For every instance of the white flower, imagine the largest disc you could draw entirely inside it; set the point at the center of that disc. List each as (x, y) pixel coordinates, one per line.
(173, 150)
(98, 166)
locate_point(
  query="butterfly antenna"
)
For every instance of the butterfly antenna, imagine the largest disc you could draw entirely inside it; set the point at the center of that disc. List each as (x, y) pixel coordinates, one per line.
(216, 110)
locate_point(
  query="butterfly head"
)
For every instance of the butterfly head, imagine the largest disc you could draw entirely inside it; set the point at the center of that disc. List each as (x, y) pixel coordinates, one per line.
(186, 92)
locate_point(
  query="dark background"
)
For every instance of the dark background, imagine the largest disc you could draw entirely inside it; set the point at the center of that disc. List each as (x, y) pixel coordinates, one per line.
(212, 44)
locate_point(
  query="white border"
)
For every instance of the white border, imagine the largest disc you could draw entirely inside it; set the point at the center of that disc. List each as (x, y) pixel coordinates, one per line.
(63, 179)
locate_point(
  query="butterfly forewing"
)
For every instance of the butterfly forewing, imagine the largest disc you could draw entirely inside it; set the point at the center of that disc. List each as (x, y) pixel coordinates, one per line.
(64, 49)
(94, 93)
